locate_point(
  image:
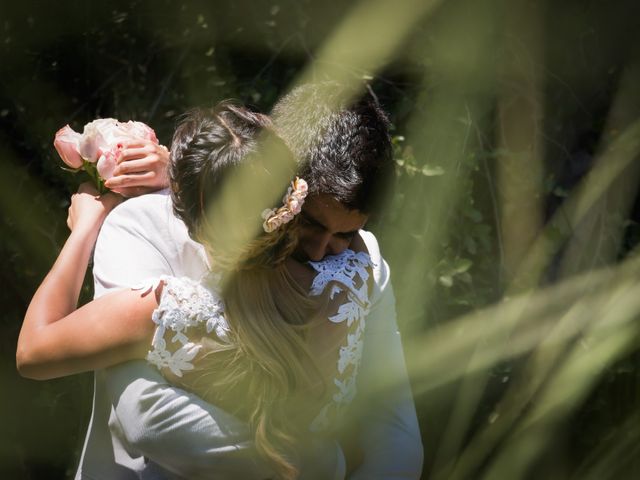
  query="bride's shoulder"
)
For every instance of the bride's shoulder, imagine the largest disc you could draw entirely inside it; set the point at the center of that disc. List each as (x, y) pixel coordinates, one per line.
(185, 302)
(187, 291)
(188, 312)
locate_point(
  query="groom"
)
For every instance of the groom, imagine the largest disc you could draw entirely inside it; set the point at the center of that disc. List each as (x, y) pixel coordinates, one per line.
(159, 431)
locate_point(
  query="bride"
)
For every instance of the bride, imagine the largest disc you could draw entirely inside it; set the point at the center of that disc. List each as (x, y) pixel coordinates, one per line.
(275, 341)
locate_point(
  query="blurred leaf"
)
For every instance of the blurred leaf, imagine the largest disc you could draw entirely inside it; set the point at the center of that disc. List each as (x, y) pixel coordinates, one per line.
(446, 280)
(432, 171)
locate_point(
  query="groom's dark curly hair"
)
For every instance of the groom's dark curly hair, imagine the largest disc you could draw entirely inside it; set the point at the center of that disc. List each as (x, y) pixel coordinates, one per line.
(341, 138)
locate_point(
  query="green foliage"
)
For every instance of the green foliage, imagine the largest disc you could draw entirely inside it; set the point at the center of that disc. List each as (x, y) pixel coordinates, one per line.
(484, 341)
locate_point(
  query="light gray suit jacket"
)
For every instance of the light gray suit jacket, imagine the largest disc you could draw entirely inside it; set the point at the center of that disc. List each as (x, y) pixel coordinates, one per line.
(142, 427)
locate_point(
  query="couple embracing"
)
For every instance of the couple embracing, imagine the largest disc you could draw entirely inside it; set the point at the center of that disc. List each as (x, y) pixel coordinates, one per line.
(230, 339)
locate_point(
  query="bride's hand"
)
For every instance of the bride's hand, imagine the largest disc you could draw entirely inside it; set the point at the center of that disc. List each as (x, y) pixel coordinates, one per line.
(142, 168)
(88, 208)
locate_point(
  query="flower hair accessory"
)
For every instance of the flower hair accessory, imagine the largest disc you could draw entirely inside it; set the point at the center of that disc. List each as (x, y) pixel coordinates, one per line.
(291, 206)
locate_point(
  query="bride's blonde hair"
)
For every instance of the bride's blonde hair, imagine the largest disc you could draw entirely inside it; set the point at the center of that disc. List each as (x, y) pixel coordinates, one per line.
(267, 368)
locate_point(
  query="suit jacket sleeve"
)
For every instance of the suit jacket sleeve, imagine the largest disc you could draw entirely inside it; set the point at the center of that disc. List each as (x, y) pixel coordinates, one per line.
(390, 435)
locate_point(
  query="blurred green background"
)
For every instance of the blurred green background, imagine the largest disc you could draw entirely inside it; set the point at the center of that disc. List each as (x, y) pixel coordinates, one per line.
(512, 233)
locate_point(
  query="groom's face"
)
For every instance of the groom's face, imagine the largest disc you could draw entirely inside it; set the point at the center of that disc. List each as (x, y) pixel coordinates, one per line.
(327, 228)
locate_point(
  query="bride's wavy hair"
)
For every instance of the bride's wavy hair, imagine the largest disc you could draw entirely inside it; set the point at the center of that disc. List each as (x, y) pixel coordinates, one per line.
(268, 368)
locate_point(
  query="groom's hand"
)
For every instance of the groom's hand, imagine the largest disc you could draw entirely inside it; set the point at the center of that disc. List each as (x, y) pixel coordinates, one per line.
(142, 168)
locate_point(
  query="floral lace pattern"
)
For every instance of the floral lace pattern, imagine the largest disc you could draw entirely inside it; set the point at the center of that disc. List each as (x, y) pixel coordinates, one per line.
(185, 303)
(348, 270)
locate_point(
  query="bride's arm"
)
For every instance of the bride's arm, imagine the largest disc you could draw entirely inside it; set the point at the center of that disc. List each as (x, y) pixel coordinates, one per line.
(56, 339)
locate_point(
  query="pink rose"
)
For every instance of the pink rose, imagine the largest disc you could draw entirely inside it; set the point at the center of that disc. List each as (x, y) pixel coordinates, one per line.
(67, 144)
(285, 216)
(300, 186)
(140, 130)
(130, 130)
(268, 213)
(97, 137)
(295, 204)
(108, 162)
(102, 142)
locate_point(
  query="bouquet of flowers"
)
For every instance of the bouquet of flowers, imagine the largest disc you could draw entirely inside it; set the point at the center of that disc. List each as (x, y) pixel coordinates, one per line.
(96, 150)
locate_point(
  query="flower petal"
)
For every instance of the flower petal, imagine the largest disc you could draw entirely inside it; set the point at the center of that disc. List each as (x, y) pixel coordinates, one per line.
(66, 143)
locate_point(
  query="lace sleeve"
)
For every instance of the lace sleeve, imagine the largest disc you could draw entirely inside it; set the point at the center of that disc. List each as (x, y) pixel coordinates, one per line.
(186, 307)
(345, 278)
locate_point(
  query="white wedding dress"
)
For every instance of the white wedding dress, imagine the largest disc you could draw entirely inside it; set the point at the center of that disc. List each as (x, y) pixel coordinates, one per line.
(188, 309)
